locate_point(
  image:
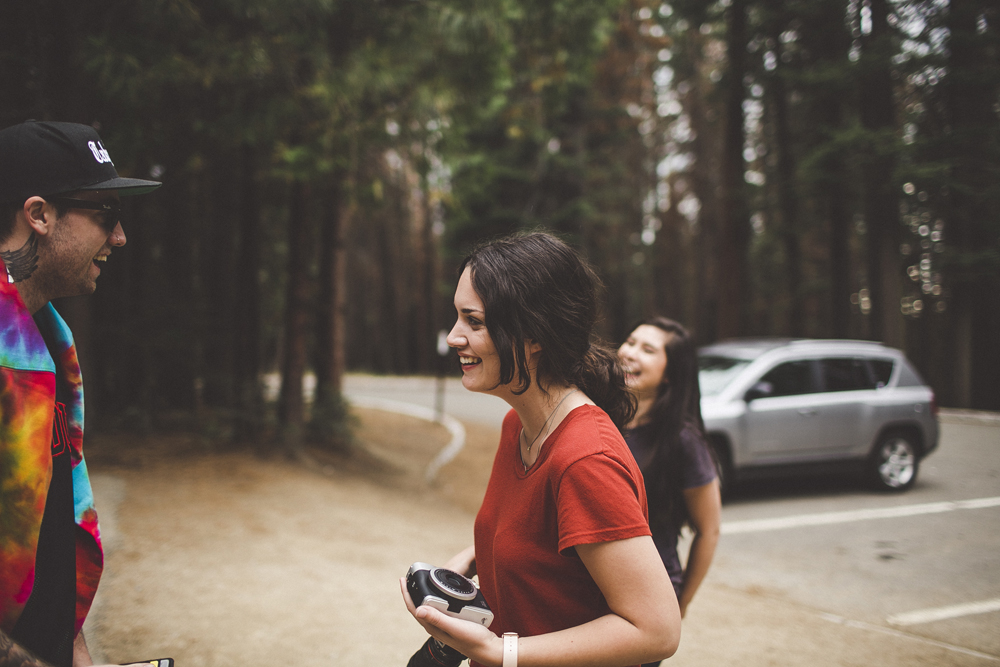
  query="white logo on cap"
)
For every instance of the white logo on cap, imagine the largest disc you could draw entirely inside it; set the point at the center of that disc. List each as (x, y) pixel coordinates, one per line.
(100, 154)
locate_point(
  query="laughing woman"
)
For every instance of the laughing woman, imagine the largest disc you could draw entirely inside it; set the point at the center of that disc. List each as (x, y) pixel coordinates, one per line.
(562, 543)
(667, 438)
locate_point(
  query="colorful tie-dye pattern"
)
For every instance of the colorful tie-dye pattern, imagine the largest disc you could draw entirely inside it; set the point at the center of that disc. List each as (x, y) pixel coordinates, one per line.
(29, 371)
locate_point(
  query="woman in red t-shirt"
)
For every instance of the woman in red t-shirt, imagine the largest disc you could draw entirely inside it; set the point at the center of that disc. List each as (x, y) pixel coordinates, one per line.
(562, 543)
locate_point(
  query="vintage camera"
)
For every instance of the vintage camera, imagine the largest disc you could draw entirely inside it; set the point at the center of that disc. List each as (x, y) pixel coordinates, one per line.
(448, 592)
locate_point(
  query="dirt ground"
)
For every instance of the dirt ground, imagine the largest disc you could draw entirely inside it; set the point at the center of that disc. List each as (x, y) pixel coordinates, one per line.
(221, 559)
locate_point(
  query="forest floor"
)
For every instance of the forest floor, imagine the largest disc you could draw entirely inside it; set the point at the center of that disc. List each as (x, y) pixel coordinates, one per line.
(220, 558)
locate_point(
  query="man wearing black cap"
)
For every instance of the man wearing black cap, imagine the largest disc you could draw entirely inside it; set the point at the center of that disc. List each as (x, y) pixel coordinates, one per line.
(59, 222)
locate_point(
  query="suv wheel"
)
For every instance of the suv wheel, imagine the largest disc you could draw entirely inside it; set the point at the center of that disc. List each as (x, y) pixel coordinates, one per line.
(894, 462)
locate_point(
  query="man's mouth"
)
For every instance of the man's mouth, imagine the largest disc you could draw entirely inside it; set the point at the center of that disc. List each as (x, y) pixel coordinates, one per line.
(100, 258)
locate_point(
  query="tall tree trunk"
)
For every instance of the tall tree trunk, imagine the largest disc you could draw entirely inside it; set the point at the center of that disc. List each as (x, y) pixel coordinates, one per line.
(291, 402)
(788, 203)
(58, 39)
(396, 235)
(174, 369)
(974, 222)
(703, 183)
(826, 39)
(669, 263)
(431, 278)
(734, 239)
(328, 421)
(246, 339)
(218, 263)
(881, 203)
(838, 223)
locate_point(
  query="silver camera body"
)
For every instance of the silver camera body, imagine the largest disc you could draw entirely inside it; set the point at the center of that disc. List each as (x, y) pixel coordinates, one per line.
(448, 592)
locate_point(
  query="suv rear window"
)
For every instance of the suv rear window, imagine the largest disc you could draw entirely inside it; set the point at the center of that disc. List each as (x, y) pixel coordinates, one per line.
(845, 374)
(908, 376)
(882, 370)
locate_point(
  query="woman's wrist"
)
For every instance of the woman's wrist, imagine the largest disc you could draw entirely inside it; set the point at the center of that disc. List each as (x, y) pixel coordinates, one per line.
(510, 646)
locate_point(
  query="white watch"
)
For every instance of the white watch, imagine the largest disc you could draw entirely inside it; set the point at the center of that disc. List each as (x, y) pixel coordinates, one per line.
(510, 649)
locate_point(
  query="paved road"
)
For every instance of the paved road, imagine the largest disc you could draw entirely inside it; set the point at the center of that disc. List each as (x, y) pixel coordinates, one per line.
(888, 571)
(925, 563)
(432, 393)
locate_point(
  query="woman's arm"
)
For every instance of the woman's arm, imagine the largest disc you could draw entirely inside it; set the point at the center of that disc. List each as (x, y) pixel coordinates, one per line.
(643, 626)
(705, 509)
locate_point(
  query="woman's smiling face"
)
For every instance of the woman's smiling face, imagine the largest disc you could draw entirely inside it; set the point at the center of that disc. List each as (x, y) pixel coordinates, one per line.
(472, 340)
(644, 356)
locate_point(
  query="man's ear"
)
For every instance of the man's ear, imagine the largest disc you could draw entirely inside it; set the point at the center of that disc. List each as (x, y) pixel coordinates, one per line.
(39, 215)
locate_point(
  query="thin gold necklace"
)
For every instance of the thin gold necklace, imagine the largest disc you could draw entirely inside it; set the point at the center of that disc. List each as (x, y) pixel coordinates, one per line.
(541, 430)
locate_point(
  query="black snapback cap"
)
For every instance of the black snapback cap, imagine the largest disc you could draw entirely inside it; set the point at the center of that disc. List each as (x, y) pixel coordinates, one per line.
(40, 158)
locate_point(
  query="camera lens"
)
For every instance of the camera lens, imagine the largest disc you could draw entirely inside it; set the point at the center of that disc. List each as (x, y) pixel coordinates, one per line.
(453, 583)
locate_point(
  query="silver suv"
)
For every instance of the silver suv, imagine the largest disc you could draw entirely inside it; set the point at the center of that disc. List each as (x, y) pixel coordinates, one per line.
(773, 403)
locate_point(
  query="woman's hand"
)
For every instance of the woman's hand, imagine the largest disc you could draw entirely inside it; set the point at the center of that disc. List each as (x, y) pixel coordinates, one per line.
(471, 639)
(464, 562)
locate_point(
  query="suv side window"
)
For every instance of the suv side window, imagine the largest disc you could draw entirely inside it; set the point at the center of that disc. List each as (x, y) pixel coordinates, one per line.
(790, 378)
(845, 374)
(882, 370)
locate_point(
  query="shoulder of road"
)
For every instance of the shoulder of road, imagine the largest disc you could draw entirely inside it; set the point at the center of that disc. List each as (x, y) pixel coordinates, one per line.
(959, 416)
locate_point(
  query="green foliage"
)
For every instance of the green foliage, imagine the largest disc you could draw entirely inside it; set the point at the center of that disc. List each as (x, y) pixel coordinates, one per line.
(429, 125)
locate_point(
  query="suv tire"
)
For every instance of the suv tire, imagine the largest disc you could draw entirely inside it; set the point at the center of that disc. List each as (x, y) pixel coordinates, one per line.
(894, 462)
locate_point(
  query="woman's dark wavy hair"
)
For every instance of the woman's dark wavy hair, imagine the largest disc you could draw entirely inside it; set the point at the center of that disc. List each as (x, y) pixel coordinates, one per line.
(677, 405)
(534, 287)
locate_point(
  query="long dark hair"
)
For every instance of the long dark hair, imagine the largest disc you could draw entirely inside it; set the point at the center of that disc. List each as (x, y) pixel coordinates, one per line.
(534, 287)
(677, 406)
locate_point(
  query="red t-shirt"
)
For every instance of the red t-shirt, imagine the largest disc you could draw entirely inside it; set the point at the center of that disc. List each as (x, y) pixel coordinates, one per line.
(585, 488)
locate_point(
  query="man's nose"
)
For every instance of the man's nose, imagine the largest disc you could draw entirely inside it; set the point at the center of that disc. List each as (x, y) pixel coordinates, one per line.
(117, 237)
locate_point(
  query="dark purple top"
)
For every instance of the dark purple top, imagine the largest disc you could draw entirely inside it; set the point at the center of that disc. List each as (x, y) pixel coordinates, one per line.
(697, 469)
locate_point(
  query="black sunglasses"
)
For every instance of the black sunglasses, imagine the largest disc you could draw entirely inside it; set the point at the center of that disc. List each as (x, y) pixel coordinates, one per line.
(112, 211)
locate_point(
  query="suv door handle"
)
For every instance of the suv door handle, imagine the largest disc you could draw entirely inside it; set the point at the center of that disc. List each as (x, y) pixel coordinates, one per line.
(808, 411)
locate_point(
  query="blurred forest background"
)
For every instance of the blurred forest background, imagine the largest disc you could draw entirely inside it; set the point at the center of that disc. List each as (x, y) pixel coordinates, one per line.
(821, 168)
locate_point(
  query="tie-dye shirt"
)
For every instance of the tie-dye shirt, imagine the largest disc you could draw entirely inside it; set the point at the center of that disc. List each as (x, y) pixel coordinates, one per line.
(29, 374)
